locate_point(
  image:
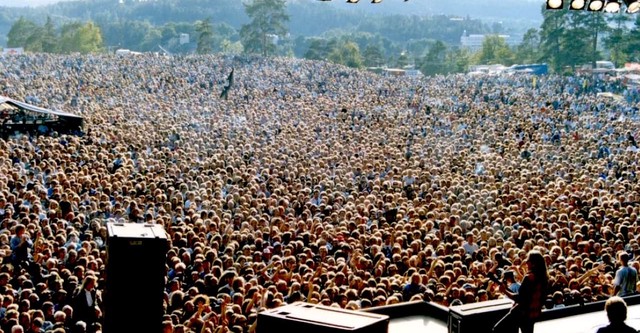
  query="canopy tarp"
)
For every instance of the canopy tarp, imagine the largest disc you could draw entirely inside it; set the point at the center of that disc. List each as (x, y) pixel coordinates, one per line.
(34, 108)
(21, 117)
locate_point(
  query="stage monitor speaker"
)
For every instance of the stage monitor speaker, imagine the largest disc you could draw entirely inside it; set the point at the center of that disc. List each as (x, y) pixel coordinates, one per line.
(478, 317)
(312, 318)
(134, 291)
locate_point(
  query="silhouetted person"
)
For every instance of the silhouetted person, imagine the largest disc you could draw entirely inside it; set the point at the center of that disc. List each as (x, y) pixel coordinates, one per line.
(616, 310)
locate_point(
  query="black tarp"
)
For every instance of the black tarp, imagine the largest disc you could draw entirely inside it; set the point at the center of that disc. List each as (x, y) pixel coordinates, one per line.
(16, 116)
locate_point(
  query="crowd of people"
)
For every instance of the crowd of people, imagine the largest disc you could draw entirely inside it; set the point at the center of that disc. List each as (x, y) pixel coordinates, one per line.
(311, 182)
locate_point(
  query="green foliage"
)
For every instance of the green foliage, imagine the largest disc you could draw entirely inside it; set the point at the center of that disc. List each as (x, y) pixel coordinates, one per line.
(569, 39)
(268, 19)
(318, 49)
(458, 60)
(348, 54)
(373, 56)
(21, 32)
(435, 61)
(632, 47)
(49, 38)
(339, 51)
(552, 37)
(232, 47)
(528, 52)
(617, 41)
(205, 36)
(403, 60)
(73, 37)
(78, 37)
(495, 51)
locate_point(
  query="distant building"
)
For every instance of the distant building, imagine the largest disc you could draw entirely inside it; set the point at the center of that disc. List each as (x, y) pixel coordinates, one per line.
(473, 42)
(184, 39)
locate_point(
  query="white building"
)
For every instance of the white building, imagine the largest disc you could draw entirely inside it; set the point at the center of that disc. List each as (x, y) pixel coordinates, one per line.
(184, 39)
(474, 42)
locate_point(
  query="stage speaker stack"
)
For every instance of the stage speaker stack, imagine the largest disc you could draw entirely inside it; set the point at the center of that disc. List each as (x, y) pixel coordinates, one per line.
(478, 317)
(312, 318)
(134, 290)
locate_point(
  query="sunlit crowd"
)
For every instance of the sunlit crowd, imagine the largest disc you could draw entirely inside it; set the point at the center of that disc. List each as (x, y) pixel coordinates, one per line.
(311, 182)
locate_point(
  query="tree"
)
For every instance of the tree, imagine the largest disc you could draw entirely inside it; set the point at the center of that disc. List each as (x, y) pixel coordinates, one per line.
(49, 37)
(582, 35)
(434, 62)
(528, 52)
(20, 33)
(268, 19)
(205, 36)
(78, 37)
(373, 56)
(231, 47)
(318, 49)
(495, 51)
(617, 41)
(458, 60)
(552, 36)
(632, 48)
(403, 60)
(348, 54)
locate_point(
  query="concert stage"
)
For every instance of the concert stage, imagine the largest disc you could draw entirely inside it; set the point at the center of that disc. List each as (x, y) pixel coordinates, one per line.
(416, 317)
(432, 318)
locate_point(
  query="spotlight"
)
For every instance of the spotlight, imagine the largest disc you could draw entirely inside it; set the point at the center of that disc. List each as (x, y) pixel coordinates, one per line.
(352, 1)
(633, 6)
(554, 4)
(577, 4)
(376, 1)
(612, 6)
(596, 5)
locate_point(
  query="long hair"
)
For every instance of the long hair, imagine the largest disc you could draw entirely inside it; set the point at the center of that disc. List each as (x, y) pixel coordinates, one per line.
(538, 266)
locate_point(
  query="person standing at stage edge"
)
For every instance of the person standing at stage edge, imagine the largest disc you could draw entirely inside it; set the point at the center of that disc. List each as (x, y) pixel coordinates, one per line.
(529, 300)
(626, 277)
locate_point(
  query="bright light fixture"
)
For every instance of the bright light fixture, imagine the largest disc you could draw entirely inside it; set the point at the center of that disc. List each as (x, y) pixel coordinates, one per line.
(633, 6)
(596, 5)
(612, 6)
(554, 4)
(578, 4)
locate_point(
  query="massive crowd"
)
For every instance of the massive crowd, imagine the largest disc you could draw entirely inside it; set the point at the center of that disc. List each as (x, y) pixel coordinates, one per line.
(310, 182)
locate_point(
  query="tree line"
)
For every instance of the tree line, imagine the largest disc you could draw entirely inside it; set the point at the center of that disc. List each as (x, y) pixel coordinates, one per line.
(566, 39)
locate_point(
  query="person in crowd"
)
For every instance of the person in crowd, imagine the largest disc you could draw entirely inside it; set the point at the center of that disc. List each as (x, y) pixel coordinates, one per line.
(296, 188)
(86, 302)
(529, 299)
(626, 277)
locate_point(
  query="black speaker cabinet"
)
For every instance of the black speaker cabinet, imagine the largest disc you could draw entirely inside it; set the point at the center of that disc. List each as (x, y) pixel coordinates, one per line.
(134, 291)
(312, 318)
(477, 317)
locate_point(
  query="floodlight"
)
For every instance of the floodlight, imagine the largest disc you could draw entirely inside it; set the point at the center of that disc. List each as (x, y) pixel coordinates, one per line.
(352, 1)
(577, 4)
(376, 1)
(633, 6)
(596, 5)
(554, 4)
(612, 6)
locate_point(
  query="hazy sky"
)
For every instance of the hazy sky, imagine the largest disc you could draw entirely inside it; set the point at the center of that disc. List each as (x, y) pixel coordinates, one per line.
(24, 3)
(508, 9)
